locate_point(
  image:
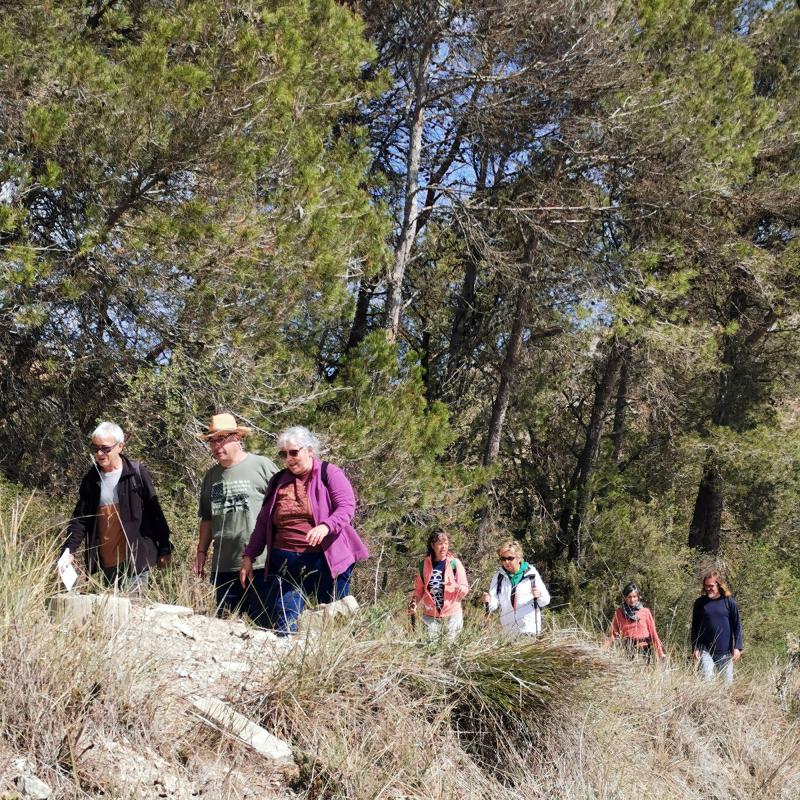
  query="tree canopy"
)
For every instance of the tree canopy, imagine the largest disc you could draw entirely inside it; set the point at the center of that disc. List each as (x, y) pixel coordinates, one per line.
(529, 268)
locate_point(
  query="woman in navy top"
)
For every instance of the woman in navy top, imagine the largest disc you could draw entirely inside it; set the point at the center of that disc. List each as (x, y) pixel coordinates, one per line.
(716, 629)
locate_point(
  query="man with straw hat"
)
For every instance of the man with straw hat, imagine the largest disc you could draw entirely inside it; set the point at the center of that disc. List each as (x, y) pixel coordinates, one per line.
(230, 499)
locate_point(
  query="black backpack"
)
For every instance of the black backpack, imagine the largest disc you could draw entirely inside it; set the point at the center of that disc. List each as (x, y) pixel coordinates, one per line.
(498, 585)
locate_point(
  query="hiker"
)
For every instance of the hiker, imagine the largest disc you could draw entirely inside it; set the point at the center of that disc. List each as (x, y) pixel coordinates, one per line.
(716, 629)
(518, 591)
(230, 498)
(441, 583)
(305, 526)
(118, 516)
(634, 626)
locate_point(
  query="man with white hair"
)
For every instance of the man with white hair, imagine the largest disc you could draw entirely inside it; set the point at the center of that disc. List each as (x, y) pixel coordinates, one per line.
(118, 516)
(230, 499)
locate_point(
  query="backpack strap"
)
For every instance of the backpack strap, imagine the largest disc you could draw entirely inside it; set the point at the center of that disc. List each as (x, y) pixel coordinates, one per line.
(279, 474)
(500, 576)
(421, 566)
(138, 484)
(729, 609)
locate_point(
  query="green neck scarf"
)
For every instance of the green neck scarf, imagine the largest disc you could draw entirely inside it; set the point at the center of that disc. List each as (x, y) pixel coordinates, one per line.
(519, 574)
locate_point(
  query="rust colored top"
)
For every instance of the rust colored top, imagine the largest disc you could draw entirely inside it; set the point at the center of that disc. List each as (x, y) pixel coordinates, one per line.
(293, 517)
(113, 544)
(644, 628)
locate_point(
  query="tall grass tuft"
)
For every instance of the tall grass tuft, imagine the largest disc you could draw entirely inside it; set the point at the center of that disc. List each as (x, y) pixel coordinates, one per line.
(379, 715)
(60, 690)
(507, 693)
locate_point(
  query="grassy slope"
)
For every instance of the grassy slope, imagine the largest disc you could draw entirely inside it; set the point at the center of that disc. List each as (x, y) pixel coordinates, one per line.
(373, 713)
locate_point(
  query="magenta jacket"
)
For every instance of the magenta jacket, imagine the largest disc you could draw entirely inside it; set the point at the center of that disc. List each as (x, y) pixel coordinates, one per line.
(333, 506)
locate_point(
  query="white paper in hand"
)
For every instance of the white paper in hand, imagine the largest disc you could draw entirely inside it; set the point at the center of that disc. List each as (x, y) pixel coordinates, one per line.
(66, 571)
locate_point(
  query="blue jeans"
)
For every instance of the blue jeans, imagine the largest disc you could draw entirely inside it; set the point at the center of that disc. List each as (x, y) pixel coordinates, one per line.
(123, 579)
(231, 598)
(712, 663)
(295, 576)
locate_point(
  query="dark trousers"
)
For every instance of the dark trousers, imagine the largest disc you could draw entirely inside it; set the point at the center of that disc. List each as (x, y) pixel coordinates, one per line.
(232, 599)
(295, 576)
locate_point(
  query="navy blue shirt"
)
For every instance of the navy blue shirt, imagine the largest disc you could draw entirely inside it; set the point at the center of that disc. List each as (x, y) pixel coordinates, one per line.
(716, 625)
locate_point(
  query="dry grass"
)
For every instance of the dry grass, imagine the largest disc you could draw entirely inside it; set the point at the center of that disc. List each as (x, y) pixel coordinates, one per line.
(57, 683)
(375, 713)
(385, 716)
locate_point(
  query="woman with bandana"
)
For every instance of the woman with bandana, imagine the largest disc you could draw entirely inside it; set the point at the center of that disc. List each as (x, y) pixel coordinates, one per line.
(634, 626)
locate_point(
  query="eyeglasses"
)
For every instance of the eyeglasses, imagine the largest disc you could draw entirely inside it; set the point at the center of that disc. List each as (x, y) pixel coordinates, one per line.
(220, 440)
(102, 448)
(286, 453)
(508, 558)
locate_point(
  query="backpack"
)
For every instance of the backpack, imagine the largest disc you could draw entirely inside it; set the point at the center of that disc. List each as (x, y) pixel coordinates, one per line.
(501, 574)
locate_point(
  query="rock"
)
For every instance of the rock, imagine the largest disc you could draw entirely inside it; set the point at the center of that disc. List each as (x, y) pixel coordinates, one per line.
(269, 746)
(314, 620)
(258, 635)
(350, 603)
(32, 788)
(234, 666)
(175, 624)
(183, 628)
(164, 609)
(77, 608)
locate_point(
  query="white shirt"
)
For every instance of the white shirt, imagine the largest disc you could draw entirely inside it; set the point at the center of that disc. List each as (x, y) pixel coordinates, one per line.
(108, 487)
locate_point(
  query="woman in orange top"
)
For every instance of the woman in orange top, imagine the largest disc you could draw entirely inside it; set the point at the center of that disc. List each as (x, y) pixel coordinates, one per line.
(634, 625)
(441, 585)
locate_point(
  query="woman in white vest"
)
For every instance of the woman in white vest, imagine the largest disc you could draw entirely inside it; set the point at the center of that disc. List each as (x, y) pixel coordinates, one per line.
(518, 591)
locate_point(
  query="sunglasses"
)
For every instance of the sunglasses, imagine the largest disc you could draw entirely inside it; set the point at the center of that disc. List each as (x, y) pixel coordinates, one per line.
(102, 448)
(220, 440)
(286, 453)
(507, 558)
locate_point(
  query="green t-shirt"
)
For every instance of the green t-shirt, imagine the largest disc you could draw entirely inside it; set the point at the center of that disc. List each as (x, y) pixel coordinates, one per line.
(231, 498)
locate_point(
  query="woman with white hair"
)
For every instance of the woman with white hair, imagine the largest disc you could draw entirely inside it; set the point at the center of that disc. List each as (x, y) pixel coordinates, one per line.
(306, 527)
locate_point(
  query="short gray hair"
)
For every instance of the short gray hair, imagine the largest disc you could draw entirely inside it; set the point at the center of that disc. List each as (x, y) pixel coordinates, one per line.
(109, 429)
(299, 435)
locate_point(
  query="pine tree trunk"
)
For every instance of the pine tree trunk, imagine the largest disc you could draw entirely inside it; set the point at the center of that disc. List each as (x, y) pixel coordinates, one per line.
(507, 372)
(408, 229)
(707, 517)
(461, 320)
(620, 408)
(572, 516)
(360, 326)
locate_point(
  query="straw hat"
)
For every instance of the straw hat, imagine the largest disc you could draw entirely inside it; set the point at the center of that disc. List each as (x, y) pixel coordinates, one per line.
(223, 423)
